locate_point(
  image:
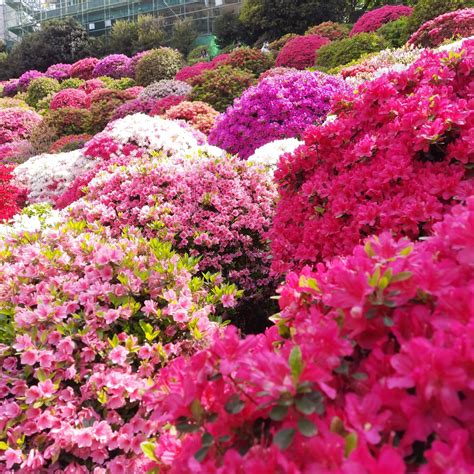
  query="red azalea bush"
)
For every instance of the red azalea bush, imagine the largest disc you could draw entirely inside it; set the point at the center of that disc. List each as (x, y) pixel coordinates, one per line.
(95, 318)
(92, 85)
(84, 68)
(162, 105)
(9, 194)
(455, 24)
(76, 98)
(215, 208)
(301, 52)
(396, 159)
(198, 114)
(69, 143)
(248, 59)
(188, 72)
(330, 30)
(368, 369)
(276, 71)
(17, 124)
(374, 19)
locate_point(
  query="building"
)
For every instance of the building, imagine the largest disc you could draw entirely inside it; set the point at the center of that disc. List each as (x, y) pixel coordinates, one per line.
(98, 16)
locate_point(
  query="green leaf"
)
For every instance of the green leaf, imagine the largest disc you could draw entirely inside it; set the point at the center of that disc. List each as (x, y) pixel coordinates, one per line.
(388, 321)
(201, 454)
(305, 405)
(296, 363)
(284, 438)
(351, 444)
(278, 413)
(148, 449)
(207, 440)
(360, 376)
(307, 427)
(3, 446)
(234, 405)
(402, 276)
(185, 427)
(197, 409)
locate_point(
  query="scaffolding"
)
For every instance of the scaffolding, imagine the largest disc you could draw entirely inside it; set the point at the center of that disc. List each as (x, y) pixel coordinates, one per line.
(98, 16)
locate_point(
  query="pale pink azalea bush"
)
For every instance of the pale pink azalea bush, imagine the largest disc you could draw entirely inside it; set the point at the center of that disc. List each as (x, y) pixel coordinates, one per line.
(94, 319)
(17, 124)
(207, 204)
(396, 159)
(366, 370)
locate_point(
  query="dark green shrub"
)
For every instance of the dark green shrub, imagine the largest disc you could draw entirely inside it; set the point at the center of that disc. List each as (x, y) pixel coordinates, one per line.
(395, 32)
(346, 50)
(219, 87)
(161, 63)
(39, 89)
(428, 9)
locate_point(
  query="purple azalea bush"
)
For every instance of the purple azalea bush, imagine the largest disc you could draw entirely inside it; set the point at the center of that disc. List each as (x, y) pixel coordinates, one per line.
(113, 65)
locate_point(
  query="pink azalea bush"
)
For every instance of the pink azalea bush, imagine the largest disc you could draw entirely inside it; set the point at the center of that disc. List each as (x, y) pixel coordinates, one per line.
(188, 72)
(25, 79)
(374, 19)
(11, 87)
(95, 319)
(198, 114)
(455, 24)
(69, 143)
(59, 71)
(9, 193)
(396, 159)
(114, 65)
(366, 370)
(17, 124)
(162, 105)
(15, 151)
(75, 98)
(91, 85)
(301, 51)
(278, 107)
(210, 206)
(84, 68)
(135, 106)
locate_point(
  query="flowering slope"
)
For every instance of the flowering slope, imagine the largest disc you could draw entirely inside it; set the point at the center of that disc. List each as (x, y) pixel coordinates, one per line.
(396, 159)
(374, 19)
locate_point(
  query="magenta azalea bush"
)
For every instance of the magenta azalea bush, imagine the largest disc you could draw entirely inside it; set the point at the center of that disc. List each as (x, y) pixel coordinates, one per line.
(114, 65)
(300, 52)
(374, 19)
(366, 370)
(84, 68)
(25, 79)
(11, 87)
(69, 98)
(278, 107)
(17, 124)
(455, 24)
(396, 159)
(59, 71)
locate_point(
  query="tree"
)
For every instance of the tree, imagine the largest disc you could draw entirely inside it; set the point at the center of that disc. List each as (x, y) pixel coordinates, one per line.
(183, 35)
(58, 41)
(122, 37)
(229, 29)
(151, 32)
(278, 17)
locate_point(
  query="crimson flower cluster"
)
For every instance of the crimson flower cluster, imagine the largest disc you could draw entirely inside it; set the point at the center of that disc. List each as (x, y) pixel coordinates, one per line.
(84, 68)
(9, 193)
(374, 19)
(397, 158)
(76, 98)
(301, 52)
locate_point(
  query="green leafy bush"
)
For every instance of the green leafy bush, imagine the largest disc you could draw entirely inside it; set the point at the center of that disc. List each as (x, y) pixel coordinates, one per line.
(428, 9)
(249, 59)
(161, 63)
(276, 45)
(39, 89)
(395, 32)
(219, 87)
(330, 30)
(72, 83)
(196, 56)
(346, 50)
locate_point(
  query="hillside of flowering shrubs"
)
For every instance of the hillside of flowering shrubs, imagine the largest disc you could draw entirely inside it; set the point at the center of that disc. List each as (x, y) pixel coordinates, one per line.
(259, 262)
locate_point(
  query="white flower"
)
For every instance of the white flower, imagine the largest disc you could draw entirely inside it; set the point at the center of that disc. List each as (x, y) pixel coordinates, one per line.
(270, 153)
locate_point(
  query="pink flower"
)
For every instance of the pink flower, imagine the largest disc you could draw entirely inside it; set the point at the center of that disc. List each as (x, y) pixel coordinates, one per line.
(118, 355)
(12, 456)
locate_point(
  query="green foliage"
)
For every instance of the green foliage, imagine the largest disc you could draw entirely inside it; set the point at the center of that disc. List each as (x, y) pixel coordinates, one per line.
(71, 83)
(4, 66)
(161, 63)
(276, 45)
(395, 32)
(198, 54)
(183, 35)
(346, 50)
(230, 30)
(219, 87)
(39, 89)
(277, 17)
(428, 9)
(58, 41)
(117, 84)
(129, 37)
(330, 30)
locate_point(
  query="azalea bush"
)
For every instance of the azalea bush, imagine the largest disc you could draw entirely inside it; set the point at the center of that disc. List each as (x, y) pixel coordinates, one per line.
(394, 164)
(301, 52)
(16, 124)
(278, 107)
(248, 59)
(165, 88)
(114, 66)
(59, 71)
(11, 87)
(395, 32)
(365, 370)
(209, 205)
(25, 79)
(162, 105)
(276, 71)
(75, 365)
(219, 87)
(135, 106)
(198, 114)
(276, 45)
(72, 83)
(39, 89)
(9, 193)
(75, 98)
(270, 153)
(15, 152)
(69, 143)
(374, 19)
(158, 64)
(84, 68)
(346, 50)
(455, 24)
(330, 30)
